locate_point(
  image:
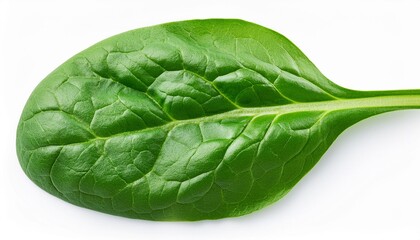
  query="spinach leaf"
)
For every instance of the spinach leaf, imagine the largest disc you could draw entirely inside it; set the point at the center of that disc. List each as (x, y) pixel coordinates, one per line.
(190, 120)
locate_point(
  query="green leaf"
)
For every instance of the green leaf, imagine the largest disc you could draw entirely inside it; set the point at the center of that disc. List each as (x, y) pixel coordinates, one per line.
(190, 120)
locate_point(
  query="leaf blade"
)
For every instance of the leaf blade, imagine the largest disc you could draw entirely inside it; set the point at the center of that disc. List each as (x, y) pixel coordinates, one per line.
(191, 120)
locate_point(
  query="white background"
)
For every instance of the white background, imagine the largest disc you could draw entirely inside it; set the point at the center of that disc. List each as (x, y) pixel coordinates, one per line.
(365, 187)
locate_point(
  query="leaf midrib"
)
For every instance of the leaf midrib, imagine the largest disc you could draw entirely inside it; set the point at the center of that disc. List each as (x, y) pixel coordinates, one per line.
(402, 101)
(406, 101)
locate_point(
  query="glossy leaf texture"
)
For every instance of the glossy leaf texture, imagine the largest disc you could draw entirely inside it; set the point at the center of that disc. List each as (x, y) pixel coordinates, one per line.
(192, 120)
